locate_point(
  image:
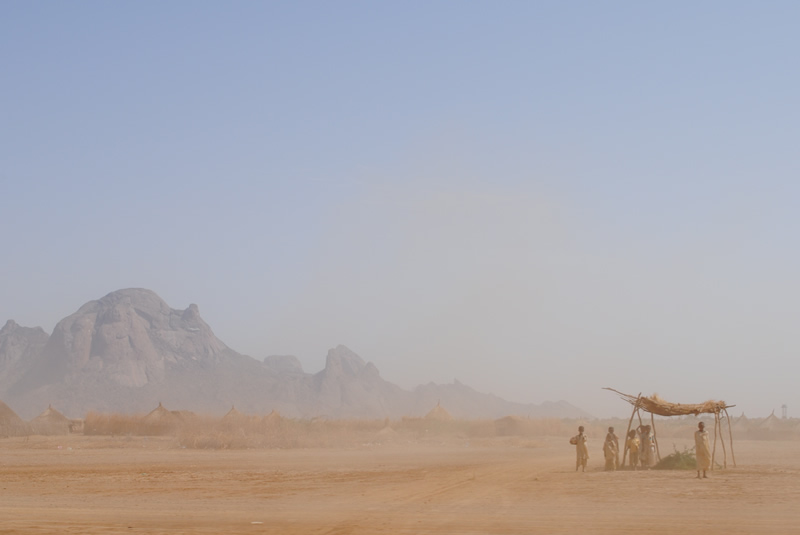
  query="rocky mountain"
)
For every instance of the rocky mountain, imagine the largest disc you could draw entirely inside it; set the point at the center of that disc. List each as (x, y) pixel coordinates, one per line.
(18, 347)
(129, 351)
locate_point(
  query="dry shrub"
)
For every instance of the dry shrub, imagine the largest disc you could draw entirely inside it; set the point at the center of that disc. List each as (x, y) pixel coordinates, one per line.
(678, 460)
(97, 423)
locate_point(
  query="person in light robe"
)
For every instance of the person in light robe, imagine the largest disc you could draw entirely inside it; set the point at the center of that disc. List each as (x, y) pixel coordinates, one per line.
(633, 447)
(581, 449)
(702, 450)
(610, 453)
(647, 446)
(613, 438)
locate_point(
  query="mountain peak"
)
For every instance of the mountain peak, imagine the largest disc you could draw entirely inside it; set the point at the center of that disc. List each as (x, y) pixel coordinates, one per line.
(191, 313)
(341, 360)
(131, 337)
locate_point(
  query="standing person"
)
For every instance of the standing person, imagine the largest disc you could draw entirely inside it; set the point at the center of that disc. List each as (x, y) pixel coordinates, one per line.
(647, 446)
(613, 438)
(702, 450)
(581, 449)
(642, 446)
(651, 446)
(633, 447)
(610, 452)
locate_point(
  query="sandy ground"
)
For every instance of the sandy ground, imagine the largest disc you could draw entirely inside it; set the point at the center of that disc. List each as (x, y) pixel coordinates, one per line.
(113, 485)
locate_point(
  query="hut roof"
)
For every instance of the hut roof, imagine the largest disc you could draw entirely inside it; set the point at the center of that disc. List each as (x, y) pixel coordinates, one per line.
(773, 423)
(233, 414)
(51, 416)
(273, 417)
(742, 423)
(8, 416)
(159, 414)
(438, 413)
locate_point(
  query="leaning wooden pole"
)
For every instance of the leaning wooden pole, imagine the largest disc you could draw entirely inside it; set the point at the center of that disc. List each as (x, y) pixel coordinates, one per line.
(629, 429)
(655, 436)
(730, 435)
(722, 441)
(714, 450)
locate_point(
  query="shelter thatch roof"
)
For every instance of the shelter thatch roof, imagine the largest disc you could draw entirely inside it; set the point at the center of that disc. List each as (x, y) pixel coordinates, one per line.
(655, 405)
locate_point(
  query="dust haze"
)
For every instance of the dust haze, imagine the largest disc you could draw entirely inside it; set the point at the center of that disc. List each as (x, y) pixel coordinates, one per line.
(181, 472)
(358, 268)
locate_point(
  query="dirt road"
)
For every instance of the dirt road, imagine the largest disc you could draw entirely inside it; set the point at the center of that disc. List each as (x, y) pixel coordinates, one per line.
(112, 485)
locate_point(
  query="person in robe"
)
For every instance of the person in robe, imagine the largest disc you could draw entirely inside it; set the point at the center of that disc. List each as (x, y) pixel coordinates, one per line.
(633, 447)
(610, 452)
(702, 450)
(647, 446)
(610, 436)
(581, 449)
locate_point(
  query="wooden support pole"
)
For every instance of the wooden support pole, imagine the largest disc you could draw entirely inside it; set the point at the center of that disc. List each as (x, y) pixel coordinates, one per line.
(625, 449)
(655, 436)
(714, 450)
(722, 441)
(730, 435)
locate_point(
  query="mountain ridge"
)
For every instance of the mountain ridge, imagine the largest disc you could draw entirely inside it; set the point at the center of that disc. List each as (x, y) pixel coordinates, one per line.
(129, 350)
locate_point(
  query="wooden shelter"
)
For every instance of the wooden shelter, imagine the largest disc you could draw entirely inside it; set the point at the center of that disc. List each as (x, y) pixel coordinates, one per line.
(655, 405)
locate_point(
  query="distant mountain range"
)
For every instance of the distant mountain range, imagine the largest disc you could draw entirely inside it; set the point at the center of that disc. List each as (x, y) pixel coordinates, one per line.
(129, 351)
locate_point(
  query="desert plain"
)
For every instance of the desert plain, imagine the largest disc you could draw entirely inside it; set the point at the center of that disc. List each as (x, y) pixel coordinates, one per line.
(455, 485)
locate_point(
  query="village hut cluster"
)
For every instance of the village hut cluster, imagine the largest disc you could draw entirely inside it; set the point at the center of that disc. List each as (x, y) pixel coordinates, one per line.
(237, 429)
(49, 422)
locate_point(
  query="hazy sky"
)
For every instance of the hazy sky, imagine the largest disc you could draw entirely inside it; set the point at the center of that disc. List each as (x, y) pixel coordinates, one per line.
(538, 199)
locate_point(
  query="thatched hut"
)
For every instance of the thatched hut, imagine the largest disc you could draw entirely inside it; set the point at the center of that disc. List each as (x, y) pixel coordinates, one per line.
(439, 414)
(11, 425)
(774, 428)
(273, 419)
(51, 422)
(741, 424)
(236, 421)
(234, 415)
(160, 421)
